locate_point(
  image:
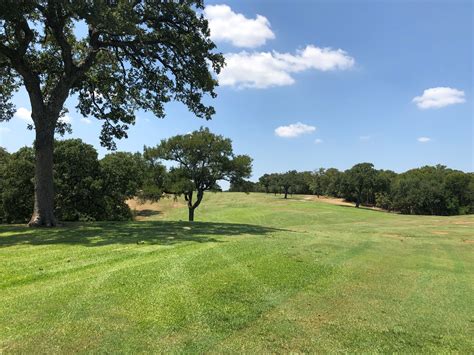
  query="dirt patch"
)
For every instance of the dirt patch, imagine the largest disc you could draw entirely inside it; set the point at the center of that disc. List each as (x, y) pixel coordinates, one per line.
(337, 201)
(331, 200)
(440, 232)
(468, 241)
(152, 209)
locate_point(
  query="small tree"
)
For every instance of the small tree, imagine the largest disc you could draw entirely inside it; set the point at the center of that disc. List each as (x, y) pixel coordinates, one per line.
(203, 159)
(136, 55)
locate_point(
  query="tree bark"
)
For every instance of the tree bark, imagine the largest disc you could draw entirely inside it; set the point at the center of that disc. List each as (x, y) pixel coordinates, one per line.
(43, 212)
(192, 206)
(358, 201)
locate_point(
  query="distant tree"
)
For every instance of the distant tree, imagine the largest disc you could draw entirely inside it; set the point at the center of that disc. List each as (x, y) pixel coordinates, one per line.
(432, 190)
(359, 180)
(243, 186)
(17, 186)
(78, 181)
(136, 55)
(275, 186)
(333, 182)
(203, 159)
(265, 180)
(287, 181)
(457, 185)
(123, 176)
(302, 183)
(4, 157)
(154, 178)
(470, 193)
(317, 182)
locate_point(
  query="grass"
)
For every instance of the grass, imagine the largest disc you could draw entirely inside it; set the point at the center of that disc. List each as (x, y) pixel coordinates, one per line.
(256, 273)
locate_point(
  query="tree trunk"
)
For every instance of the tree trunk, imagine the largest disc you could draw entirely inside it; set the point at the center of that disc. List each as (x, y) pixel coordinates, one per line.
(286, 193)
(358, 201)
(191, 214)
(43, 212)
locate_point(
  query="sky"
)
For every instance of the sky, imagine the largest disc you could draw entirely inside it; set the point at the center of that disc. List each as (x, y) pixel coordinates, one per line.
(312, 84)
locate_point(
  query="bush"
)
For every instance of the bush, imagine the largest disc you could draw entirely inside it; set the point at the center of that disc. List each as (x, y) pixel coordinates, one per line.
(17, 186)
(86, 189)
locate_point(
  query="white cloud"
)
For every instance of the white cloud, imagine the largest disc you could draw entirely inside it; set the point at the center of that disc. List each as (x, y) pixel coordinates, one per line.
(318, 141)
(439, 97)
(65, 119)
(24, 114)
(294, 130)
(266, 69)
(86, 120)
(423, 139)
(364, 138)
(227, 26)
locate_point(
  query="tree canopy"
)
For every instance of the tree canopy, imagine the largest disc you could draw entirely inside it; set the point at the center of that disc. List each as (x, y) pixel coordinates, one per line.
(202, 158)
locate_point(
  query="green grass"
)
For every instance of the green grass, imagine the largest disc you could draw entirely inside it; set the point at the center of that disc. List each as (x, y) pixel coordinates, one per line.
(255, 273)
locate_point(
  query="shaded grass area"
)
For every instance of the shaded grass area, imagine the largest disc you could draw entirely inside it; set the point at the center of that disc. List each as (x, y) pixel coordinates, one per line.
(255, 274)
(99, 234)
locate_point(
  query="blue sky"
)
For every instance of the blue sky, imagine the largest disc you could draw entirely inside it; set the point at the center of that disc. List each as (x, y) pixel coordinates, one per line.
(291, 103)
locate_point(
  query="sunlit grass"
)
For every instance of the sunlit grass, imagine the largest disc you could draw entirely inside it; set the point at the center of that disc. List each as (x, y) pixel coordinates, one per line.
(255, 273)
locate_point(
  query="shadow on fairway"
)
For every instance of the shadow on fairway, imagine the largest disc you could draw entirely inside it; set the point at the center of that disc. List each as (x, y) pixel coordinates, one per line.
(105, 233)
(147, 213)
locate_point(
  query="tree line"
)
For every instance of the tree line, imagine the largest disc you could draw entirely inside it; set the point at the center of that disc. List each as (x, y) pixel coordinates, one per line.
(429, 190)
(88, 189)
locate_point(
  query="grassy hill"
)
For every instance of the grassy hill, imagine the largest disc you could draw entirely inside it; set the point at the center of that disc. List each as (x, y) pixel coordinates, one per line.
(256, 273)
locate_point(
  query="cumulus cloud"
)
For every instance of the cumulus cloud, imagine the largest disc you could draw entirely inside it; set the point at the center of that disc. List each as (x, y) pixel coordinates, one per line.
(318, 141)
(266, 69)
(227, 26)
(423, 139)
(439, 97)
(86, 120)
(294, 130)
(24, 114)
(65, 119)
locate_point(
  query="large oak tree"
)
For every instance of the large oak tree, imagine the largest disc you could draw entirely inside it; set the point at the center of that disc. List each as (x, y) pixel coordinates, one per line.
(136, 54)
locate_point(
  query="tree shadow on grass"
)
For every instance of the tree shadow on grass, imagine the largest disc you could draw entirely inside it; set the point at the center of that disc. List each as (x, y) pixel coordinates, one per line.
(147, 232)
(147, 213)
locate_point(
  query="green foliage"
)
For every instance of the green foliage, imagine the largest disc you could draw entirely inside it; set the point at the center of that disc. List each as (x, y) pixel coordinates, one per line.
(202, 159)
(136, 55)
(16, 185)
(78, 182)
(432, 190)
(86, 189)
(359, 182)
(244, 186)
(428, 190)
(123, 174)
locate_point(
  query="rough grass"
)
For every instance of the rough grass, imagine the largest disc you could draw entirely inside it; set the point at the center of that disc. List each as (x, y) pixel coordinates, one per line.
(256, 273)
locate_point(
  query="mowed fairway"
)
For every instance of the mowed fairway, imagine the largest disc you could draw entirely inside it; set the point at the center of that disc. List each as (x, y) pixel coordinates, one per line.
(255, 273)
